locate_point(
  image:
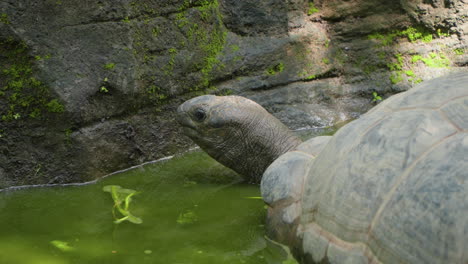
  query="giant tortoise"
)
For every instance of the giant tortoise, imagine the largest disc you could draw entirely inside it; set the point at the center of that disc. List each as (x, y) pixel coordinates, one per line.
(389, 187)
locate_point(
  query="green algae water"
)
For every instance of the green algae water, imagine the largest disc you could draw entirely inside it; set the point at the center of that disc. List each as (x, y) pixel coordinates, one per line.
(193, 210)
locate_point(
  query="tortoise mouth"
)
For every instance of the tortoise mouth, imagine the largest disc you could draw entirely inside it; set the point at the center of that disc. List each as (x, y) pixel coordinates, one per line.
(190, 132)
(188, 127)
(185, 123)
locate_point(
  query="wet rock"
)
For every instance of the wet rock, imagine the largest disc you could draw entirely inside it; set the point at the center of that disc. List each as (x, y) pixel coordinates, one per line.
(120, 68)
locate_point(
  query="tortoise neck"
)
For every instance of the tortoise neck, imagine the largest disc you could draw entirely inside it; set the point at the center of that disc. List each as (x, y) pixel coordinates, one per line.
(251, 148)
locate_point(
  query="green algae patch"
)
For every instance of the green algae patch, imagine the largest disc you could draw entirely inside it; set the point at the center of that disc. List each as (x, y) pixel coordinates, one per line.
(208, 222)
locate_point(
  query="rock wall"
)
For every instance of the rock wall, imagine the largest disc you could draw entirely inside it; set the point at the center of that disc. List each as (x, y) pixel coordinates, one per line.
(90, 87)
(338, 53)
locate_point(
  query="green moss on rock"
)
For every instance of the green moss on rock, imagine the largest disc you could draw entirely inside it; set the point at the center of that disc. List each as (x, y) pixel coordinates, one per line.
(312, 9)
(208, 41)
(413, 34)
(434, 60)
(459, 51)
(417, 33)
(21, 94)
(278, 68)
(4, 18)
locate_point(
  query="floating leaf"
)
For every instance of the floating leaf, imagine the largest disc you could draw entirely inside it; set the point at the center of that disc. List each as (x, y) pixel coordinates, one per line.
(134, 219)
(120, 220)
(254, 197)
(188, 217)
(122, 196)
(190, 183)
(110, 188)
(62, 245)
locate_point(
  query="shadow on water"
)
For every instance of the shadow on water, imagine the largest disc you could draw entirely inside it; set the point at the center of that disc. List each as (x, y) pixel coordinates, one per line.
(193, 211)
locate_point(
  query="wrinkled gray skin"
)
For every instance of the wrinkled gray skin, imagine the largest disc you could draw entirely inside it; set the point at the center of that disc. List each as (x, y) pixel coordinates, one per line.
(236, 132)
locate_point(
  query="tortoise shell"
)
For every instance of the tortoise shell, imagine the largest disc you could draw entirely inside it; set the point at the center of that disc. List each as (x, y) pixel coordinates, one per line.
(389, 187)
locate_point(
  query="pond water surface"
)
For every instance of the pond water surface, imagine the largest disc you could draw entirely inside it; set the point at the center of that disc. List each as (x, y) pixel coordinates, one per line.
(193, 210)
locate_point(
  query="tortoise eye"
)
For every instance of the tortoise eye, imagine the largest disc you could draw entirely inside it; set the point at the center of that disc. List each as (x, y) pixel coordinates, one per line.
(199, 115)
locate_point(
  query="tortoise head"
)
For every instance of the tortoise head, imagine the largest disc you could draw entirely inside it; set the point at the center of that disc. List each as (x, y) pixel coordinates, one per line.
(237, 132)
